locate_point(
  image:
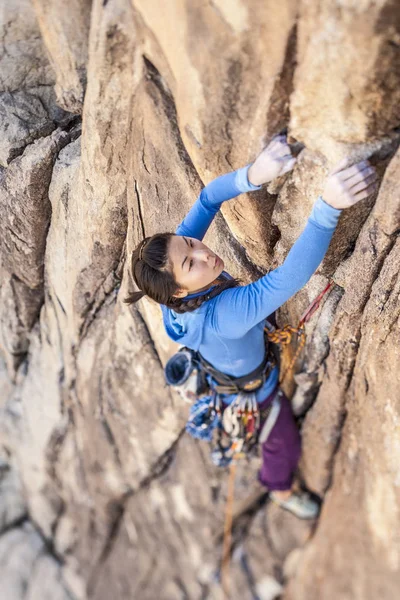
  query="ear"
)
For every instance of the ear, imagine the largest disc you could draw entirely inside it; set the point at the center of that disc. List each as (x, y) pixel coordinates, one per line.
(180, 293)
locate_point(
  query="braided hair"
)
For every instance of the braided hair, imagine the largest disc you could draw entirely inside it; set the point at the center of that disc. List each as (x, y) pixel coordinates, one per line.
(152, 273)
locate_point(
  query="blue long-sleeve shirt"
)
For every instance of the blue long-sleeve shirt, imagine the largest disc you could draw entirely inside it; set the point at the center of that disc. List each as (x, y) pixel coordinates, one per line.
(228, 330)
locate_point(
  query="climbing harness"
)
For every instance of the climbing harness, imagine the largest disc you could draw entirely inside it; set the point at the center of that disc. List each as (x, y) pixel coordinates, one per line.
(237, 424)
(227, 384)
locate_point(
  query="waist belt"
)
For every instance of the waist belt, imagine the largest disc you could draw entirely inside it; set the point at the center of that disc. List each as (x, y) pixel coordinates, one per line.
(227, 384)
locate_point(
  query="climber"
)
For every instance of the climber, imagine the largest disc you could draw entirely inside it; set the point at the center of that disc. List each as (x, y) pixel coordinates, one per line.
(206, 309)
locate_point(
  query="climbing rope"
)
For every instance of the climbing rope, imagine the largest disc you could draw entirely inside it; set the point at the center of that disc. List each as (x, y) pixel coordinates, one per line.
(282, 337)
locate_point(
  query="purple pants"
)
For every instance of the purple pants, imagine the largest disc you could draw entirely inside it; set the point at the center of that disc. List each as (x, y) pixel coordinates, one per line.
(281, 451)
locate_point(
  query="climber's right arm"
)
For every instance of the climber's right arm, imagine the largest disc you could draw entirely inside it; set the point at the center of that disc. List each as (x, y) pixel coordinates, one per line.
(239, 309)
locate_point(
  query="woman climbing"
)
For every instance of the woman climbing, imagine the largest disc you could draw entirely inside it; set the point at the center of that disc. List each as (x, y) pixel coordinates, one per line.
(205, 309)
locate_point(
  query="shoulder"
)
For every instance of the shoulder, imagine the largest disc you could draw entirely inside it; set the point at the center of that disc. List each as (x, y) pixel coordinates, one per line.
(218, 308)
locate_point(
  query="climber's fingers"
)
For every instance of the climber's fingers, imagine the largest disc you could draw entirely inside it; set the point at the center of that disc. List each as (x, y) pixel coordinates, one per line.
(264, 143)
(339, 166)
(354, 171)
(274, 160)
(283, 158)
(357, 178)
(347, 186)
(289, 165)
(278, 145)
(361, 175)
(282, 150)
(279, 137)
(366, 192)
(366, 181)
(358, 182)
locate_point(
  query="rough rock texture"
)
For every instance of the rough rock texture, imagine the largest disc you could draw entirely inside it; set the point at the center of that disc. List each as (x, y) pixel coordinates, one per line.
(27, 108)
(351, 47)
(27, 569)
(102, 494)
(65, 29)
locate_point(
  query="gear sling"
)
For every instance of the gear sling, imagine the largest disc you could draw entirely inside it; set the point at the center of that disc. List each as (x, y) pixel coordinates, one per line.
(237, 425)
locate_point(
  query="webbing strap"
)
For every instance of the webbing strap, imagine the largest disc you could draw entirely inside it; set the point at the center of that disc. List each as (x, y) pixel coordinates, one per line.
(272, 418)
(234, 384)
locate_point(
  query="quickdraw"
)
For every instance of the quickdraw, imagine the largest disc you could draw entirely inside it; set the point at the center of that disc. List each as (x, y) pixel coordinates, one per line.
(240, 425)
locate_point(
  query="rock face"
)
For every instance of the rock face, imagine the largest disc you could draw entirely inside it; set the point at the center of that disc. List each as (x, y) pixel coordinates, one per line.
(113, 116)
(65, 31)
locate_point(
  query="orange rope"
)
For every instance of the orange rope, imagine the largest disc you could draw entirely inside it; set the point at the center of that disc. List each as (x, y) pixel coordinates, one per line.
(302, 342)
(284, 335)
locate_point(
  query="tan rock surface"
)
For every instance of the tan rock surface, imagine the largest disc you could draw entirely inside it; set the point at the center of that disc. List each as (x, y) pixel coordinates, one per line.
(26, 214)
(12, 506)
(65, 31)
(360, 515)
(27, 107)
(27, 570)
(350, 47)
(102, 494)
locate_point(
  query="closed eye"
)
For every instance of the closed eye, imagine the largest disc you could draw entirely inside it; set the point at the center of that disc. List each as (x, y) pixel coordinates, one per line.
(191, 261)
(189, 243)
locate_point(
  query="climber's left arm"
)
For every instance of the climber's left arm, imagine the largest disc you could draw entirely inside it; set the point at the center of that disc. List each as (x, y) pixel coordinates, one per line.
(225, 187)
(274, 160)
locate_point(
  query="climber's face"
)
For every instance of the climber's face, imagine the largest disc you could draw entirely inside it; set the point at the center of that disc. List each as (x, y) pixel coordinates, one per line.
(194, 265)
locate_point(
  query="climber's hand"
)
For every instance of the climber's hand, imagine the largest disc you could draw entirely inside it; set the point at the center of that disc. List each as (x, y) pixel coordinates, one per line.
(275, 160)
(346, 185)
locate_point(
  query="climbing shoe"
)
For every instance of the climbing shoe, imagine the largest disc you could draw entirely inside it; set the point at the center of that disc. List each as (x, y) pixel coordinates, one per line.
(299, 503)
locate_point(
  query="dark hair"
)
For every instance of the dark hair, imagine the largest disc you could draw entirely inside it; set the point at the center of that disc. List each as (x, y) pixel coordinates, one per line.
(152, 273)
